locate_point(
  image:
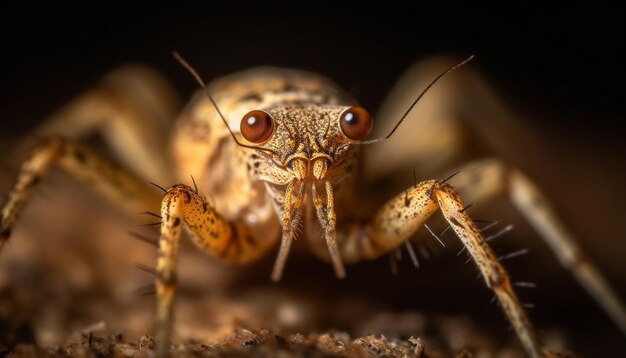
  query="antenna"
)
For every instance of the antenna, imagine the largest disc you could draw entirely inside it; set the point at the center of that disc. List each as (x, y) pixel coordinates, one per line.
(371, 141)
(198, 79)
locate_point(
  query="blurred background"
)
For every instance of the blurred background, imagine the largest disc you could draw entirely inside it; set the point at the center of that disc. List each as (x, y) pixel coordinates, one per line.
(560, 69)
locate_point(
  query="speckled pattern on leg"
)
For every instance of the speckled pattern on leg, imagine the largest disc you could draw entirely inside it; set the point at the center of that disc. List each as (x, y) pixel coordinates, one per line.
(400, 217)
(182, 207)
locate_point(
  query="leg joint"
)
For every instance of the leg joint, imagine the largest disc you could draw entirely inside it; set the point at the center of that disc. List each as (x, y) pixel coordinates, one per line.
(180, 190)
(53, 142)
(167, 280)
(498, 280)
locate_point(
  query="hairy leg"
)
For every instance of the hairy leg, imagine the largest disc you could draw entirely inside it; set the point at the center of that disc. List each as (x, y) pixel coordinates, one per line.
(123, 189)
(440, 130)
(233, 242)
(482, 180)
(400, 217)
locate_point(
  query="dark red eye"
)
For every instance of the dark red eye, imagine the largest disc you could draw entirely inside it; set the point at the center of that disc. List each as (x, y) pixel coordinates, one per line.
(356, 123)
(257, 126)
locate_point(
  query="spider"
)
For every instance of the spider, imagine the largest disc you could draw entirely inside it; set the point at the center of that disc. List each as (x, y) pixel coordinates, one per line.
(276, 149)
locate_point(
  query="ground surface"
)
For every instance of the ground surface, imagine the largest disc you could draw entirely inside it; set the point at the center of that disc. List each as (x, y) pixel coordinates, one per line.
(74, 292)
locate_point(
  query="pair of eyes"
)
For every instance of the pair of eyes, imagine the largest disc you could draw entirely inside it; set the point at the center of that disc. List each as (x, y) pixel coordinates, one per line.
(258, 126)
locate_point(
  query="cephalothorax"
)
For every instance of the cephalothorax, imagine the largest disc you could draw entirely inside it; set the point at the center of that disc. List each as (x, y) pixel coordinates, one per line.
(274, 149)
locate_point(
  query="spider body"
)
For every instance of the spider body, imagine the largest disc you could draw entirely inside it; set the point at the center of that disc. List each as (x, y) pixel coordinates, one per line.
(281, 149)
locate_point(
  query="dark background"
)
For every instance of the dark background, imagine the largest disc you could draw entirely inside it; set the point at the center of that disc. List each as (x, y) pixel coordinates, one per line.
(561, 67)
(564, 60)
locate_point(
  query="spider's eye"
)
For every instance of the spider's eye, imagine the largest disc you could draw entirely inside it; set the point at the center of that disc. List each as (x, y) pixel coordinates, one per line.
(356, 123)
(257, 126)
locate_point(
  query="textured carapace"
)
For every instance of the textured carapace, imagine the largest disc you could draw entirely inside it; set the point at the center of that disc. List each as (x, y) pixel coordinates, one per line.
(298, 137)
(280, 152)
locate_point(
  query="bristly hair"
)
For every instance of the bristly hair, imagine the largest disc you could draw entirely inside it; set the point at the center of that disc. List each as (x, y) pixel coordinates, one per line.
(138, 236)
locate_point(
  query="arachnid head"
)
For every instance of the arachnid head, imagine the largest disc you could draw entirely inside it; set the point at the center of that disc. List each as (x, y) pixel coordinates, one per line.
(300, 146)
(303, 140)
(290, 146)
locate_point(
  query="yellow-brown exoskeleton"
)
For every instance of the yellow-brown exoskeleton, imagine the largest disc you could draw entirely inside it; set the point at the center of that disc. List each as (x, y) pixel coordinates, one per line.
(277, 149)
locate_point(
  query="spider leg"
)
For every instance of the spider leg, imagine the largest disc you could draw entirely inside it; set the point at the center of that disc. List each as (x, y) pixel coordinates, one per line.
(399, 218)
(231, 241)
(132, 109)
(123, 189)
(440, 129)
(482, 180)
(494, 274)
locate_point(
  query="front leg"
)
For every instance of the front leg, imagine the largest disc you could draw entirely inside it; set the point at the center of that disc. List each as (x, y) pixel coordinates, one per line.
(399, 218)
(231, 241)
